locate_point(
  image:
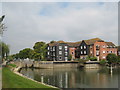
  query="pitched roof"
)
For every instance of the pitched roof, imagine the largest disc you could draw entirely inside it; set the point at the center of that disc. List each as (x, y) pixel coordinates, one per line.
(72, 44)
(93, 40)
(88, 42)
(110, 44)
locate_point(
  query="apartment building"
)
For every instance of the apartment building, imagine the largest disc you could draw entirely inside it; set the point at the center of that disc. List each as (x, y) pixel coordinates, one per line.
(60, 50)
(96, 47)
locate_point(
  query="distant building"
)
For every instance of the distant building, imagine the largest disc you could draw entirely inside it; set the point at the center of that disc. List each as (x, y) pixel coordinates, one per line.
(60, 50)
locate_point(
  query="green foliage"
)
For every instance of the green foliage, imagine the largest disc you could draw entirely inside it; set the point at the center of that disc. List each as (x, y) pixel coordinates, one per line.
(103, 62)
(93, 58)
(13, 65)
(112, 58)
(5, 49)
(69, 57)
(52, 41)
(26, 53)
(40, 50)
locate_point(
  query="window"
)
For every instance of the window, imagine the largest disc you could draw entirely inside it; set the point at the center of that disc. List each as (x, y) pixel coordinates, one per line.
(53, 53)
(84, 47)
(53, 48)
(91, 52)
(103, 51)
(91, 47)
(60, 47)
(48, 53)
(81, 47)
(84, 52)
(66, 46)
(48, 48)
(72, 52)
(97, 52)
(104, 57)
(60, 52)
(66, 58)
(60, 58)
(103, 46)
(81, 52)
(118, 52)
(66, 53)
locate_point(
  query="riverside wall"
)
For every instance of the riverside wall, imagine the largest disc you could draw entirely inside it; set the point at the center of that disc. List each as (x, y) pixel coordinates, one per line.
(52, 64)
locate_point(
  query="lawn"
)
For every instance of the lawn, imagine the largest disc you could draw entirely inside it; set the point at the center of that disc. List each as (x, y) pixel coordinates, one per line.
(12, 80)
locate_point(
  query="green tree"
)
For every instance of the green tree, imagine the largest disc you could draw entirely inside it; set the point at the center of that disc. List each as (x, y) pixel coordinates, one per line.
(52, 41)
(40, 49)
(112, 58)
(26, 53)
(69, 57)
(5, 49)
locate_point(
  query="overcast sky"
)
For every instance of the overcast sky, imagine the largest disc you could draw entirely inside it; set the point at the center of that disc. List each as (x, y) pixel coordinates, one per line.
(30, 22)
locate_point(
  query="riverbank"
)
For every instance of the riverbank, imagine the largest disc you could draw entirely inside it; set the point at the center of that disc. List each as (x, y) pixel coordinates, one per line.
(12, 79)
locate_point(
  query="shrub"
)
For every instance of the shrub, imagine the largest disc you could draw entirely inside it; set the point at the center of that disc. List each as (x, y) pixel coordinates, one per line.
(112, 58)
(69, 57)
(93, 58)
(103, 62)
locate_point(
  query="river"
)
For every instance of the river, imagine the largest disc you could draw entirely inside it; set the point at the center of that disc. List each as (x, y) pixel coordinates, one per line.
(75, 78)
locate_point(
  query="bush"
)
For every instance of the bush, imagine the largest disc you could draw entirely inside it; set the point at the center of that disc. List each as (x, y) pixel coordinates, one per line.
(93, 58)
(69, 57)
(103, 62)
(112, 58)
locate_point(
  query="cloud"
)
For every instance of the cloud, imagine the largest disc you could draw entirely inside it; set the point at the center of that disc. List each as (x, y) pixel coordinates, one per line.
(31, 22)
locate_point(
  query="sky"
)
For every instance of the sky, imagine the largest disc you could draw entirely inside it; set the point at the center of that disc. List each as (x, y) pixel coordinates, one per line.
(30, 22)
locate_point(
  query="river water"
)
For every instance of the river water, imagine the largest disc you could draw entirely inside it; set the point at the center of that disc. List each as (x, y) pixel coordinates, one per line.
(75, 78)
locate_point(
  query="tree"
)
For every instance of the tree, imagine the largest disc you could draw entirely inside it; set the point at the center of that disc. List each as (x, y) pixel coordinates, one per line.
(40, 49)
(69, 57)
(111, 58)
(2, 26)
(52, 41)
(5, 49)
(26, 53)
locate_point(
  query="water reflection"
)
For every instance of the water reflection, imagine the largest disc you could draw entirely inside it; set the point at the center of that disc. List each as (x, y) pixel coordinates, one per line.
(75, 78)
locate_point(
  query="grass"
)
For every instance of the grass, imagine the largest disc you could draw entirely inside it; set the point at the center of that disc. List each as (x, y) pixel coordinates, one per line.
(13, 65)
(12, 80)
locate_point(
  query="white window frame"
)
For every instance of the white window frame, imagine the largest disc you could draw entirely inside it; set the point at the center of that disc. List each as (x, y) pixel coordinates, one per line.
(66, 47)
(81, 52)
(60, 57)
(81, 47)
(104, 57)
(60, 47)
(66, 53)
(66, 58)
(48, 48)
(53, 48)
(60, 52)
(103, 46)
(103, 51)
(84, 52)
(48, 53)
(84, 47)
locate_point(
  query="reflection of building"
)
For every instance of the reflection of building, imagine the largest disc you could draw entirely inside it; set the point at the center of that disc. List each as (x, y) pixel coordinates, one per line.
(60, 50)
